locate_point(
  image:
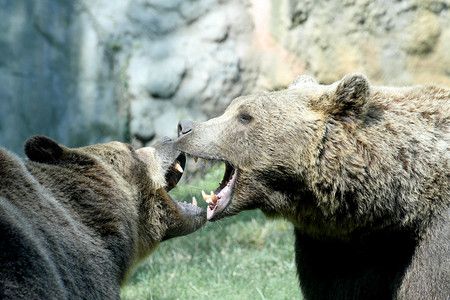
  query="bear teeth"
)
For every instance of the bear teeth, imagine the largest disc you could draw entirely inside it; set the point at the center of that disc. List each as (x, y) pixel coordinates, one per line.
(213, 197)
(194, 201)
(210, 199)
(178, 167)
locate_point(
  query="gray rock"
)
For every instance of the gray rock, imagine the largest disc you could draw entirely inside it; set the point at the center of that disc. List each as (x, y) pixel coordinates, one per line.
(165, 77)
(167, 120)
(142, 114)
(153, 22)
(214, 26)
(90, 71)
(347, 36)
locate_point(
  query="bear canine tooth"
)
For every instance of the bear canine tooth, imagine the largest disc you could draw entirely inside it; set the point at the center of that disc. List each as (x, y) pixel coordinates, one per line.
(194, 201)
(178, 167)
(207, 198)
(195, 159)
(213, 197)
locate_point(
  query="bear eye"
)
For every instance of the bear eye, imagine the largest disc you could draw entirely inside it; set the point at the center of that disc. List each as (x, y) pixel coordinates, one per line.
(244, 118)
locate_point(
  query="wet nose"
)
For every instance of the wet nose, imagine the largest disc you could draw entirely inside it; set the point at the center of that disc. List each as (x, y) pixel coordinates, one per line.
(185, 127)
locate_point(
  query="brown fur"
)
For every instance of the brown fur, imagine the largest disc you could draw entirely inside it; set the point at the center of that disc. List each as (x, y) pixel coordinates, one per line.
(74, 221)
(361, 171)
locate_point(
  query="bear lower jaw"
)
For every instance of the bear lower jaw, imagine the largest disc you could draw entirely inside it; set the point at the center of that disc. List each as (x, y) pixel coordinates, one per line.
(189, 210)
(190, 219)
(221, 198)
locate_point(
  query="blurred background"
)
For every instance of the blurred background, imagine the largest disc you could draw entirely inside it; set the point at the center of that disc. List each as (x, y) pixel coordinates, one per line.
(83, 71)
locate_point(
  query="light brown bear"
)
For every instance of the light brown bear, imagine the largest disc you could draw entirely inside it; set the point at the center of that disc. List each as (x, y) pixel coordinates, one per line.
(361, 171)
(74, 221)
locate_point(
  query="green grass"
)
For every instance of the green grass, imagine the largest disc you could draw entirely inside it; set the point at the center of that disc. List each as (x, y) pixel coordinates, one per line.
(243, 257)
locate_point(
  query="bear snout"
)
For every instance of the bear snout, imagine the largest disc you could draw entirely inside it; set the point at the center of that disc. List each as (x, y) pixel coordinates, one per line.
(147, 154)
(185, 127)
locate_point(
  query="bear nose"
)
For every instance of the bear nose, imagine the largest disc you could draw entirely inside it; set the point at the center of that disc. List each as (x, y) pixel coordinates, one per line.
(164, 140)
(185, 127)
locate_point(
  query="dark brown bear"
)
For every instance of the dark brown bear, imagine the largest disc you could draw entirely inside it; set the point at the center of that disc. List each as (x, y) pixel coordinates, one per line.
(74, 221)
(361, 171)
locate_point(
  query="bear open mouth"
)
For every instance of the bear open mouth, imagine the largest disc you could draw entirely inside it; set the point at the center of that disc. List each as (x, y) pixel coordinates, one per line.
(220, 198)
(190, 217)
(173, 176)
(175, 172)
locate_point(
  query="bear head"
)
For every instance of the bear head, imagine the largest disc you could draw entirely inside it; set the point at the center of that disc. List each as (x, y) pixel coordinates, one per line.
(122, 183)
(270, 141)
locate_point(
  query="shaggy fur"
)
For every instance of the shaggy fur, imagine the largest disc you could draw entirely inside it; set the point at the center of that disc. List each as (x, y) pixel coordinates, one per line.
(361, 171)
(74, 221)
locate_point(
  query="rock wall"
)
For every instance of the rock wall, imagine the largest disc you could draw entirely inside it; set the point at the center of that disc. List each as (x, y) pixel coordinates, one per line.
(86, 71)
(393, 42)
(57, 77)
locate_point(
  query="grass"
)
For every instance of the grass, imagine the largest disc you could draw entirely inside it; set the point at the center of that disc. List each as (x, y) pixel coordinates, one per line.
(243, 257)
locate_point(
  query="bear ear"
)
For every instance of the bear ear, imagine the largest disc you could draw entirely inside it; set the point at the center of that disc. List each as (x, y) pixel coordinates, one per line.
(43, 149)
(350, 95)
(301, 80)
